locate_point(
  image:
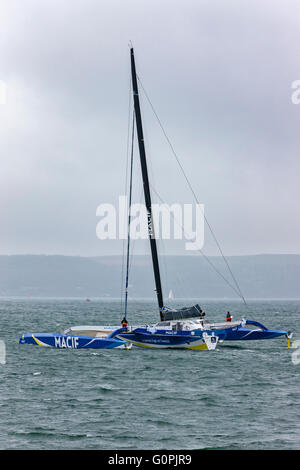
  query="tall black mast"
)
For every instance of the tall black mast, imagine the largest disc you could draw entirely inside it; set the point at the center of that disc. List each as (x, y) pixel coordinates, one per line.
(139, 128)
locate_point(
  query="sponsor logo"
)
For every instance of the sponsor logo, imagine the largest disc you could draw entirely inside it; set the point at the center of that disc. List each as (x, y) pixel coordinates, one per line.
(66, 342)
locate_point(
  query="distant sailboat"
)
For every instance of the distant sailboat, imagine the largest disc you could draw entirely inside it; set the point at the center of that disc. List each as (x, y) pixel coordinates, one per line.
(171, 295)
(2, 352)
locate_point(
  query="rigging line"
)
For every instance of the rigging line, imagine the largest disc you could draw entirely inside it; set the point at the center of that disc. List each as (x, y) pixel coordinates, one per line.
(129, 218)
(126, 186)
(200, 251)
(133, 242)
(192, 190)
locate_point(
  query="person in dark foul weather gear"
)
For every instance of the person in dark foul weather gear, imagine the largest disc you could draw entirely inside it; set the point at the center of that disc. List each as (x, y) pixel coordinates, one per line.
(124, 323)
(202, 314)
(228, 317)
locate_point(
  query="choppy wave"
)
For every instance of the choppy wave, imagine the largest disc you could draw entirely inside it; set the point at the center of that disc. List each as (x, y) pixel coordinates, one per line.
(241, 396)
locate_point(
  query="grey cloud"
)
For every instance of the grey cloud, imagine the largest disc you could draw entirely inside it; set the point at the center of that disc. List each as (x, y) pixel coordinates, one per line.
(219, 76)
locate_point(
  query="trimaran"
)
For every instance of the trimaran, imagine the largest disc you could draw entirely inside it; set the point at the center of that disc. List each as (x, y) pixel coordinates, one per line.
(183, 328)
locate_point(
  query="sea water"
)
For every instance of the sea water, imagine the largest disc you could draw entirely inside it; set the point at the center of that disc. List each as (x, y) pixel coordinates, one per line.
(243, 395)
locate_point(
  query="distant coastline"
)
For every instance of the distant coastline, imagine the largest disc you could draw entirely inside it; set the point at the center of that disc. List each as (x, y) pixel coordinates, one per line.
(262, 276)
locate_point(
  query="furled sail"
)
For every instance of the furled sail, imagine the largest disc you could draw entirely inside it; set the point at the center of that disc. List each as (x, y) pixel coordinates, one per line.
(178, 314)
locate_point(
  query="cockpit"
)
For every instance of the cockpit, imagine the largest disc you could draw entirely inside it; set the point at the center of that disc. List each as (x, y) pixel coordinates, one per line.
(177, 325)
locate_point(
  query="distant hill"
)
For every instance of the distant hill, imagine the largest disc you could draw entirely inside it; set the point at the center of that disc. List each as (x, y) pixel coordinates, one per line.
(259, 276)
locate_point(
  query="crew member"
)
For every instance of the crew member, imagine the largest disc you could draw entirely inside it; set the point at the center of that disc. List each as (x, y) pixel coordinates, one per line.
(124, 323)
(228, 317)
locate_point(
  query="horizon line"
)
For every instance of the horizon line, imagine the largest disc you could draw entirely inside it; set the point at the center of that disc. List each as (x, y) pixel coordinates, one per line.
(145, 254)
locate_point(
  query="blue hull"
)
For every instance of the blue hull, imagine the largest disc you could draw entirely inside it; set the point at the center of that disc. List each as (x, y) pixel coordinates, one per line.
(243, 334)
(159, 339)
(56, 340)
(239, 333)
(169, 339)
(178, 339)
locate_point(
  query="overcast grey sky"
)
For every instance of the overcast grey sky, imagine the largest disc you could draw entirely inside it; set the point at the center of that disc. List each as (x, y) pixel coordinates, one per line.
(219, 74)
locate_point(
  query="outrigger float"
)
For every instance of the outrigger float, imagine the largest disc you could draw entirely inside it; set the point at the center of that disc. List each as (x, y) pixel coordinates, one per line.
(70, 341)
